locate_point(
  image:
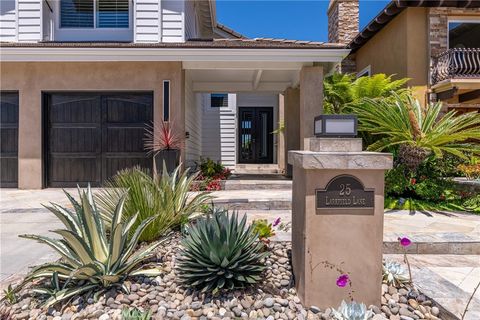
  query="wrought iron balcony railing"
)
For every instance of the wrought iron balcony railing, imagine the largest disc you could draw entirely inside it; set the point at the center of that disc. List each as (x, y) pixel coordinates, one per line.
(456, 63)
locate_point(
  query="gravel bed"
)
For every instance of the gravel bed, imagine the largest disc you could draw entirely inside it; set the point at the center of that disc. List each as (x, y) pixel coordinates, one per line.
(275, 298)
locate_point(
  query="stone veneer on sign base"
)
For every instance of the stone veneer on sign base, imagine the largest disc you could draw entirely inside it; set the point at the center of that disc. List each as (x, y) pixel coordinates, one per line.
(350, 238)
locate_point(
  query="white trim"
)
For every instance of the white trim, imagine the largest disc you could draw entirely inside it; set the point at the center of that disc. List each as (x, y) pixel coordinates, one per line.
(365, 71)
(160, 21)
(16, 21)
(169, 99)
(40, 54)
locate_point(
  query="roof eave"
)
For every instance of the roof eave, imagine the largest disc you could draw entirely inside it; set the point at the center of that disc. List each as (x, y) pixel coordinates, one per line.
(71, 54)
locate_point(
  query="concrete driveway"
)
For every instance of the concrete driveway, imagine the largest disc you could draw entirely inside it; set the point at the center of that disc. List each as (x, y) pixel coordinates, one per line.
(21, 213)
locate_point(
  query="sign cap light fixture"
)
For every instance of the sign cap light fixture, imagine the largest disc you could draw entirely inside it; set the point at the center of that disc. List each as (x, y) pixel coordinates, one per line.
(336, 125)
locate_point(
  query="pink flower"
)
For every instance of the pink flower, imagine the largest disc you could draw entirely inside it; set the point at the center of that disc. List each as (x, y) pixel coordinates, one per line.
(342, 281)
(405, 242)
(276, 222)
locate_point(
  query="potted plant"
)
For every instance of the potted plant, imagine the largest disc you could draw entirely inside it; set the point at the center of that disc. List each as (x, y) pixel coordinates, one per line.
(164, 143)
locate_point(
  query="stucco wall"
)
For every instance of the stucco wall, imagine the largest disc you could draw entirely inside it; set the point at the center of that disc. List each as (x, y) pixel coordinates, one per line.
(400, 48)
(33, 78)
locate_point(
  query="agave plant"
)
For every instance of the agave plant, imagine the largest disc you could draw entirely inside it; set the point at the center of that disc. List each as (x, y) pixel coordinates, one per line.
(164, 199)
(352, 311)
(394, 273)
(221, 253)
(418, 131)
(97, 255)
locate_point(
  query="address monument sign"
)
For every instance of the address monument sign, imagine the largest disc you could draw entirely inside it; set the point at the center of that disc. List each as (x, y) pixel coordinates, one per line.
(337, 217)
(343, 192)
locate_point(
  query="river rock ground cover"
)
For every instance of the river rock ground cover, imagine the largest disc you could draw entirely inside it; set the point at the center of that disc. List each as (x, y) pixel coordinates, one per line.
(274, 298)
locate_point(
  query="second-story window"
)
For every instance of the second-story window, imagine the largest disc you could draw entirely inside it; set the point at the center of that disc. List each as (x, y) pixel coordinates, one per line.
(76, 13)
(94, 14)
(464, 34)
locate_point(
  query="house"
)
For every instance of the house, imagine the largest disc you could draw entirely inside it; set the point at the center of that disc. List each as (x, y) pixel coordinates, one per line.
(81, 78)
(434, 43)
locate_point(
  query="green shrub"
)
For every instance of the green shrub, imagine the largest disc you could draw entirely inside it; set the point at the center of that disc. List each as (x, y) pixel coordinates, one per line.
(210, 169)
(344, 91)
(93, 256)
(164, 198)
(220, 253)
(396, 181)
(473, 203)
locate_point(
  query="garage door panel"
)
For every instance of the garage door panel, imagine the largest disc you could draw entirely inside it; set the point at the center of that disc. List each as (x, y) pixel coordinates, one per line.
(125, 139)
(73, 170)
(78, 140)
(8, 171)
(9, 139)
(129, 109)
(75, 109)
(92, 136)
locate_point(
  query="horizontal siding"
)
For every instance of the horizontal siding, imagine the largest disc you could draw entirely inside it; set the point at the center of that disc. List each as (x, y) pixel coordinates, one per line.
(8, 21)
(29, 20)
(219, 131)
(173, 15)
(147, 21)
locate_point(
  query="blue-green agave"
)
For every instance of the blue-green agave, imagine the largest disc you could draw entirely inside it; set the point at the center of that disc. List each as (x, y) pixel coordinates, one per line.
(352, 311)
(96, 255)
(221, 252)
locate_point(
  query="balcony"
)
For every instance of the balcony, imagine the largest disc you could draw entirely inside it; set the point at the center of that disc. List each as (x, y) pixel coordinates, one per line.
(457, 63)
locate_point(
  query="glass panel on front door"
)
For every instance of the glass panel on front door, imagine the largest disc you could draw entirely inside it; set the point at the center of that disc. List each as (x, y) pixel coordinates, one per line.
(255, 135)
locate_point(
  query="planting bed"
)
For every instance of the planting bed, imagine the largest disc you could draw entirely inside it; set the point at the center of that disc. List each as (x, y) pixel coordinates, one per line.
(275, 298)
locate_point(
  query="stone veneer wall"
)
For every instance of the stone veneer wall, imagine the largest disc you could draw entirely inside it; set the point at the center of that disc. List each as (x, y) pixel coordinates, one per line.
(343, 21)
(438, 21)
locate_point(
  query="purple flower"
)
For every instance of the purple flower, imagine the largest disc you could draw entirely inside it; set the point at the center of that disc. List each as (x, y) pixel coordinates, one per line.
(405, 242)
(276, 222)
(342, 281)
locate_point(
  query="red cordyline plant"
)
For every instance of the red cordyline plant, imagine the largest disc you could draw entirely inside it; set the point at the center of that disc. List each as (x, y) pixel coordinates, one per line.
(161, 136)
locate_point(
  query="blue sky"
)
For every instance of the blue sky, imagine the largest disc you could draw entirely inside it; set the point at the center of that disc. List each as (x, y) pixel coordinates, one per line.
(289, 19)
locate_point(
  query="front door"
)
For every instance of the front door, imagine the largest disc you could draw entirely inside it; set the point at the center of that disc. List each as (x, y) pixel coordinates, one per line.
(255, 137)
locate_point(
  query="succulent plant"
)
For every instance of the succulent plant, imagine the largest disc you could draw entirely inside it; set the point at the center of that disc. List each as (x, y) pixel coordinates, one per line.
(100, 256)
(165, 197)
(394, 273)
(221, 253)
(352, 311)
(136, 314)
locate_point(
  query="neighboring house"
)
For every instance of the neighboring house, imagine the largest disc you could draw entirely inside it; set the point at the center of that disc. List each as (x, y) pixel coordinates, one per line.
(435, 43)
(81, 78)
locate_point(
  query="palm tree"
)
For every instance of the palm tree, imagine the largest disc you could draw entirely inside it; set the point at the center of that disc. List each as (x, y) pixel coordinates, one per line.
(418, 131)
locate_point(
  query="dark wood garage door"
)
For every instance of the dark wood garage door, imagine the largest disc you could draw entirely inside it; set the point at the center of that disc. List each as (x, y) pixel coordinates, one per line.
(8, 139)
(91, 136)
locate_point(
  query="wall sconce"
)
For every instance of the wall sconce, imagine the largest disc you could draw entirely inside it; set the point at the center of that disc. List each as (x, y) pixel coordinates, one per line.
(336, 125)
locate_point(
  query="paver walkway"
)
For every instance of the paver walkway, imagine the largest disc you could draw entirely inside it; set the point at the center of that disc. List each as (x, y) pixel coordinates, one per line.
(446, 278)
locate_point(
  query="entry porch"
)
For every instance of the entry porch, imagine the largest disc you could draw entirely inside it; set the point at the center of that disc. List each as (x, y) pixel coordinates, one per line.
(247, 115)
